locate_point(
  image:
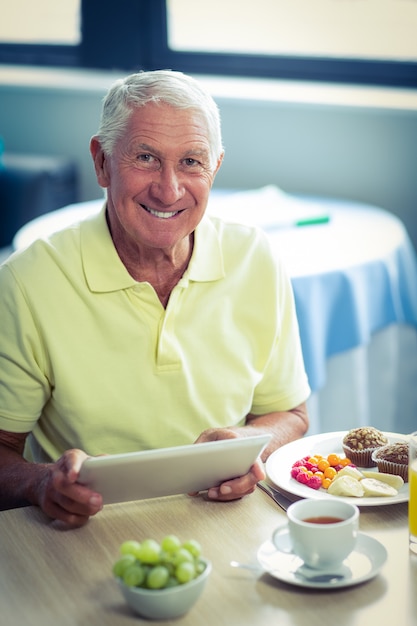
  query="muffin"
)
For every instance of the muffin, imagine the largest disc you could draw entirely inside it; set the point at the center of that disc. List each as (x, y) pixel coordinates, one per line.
(359, 444)
(393, 459)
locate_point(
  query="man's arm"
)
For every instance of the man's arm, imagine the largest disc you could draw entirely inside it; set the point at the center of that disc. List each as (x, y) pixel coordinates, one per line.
(284, 426)
(16, 477)
(51, 486)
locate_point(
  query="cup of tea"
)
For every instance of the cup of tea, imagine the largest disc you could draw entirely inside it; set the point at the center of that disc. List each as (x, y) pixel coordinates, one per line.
(321, 532)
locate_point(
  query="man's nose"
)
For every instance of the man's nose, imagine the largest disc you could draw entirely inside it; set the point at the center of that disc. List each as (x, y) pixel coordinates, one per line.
(167, 187)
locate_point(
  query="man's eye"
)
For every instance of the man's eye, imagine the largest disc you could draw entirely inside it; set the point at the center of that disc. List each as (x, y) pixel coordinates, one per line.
(190, 162)
(147, 160)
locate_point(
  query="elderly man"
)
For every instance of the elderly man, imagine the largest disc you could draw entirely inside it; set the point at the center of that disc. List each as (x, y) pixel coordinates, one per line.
(150, 324)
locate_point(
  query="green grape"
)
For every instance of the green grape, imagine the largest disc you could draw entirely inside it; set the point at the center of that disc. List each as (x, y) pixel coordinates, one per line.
(185, 572)
(134, 576)
(172, 582)
(149, 552)
(170, 543)
(182, 555)
(146, 569)
(130, 547)
(193, 546)
(157, 577)
(200, 566)
(121, 564)
(167, 559)
(158, 566)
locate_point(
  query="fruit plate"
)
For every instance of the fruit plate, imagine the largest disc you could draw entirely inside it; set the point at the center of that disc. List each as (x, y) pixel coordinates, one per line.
(278, 468)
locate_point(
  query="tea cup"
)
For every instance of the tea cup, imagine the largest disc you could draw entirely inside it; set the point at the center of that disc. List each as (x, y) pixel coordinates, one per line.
(321, 532)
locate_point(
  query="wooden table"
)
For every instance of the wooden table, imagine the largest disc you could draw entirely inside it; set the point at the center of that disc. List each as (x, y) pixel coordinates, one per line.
(53, 577)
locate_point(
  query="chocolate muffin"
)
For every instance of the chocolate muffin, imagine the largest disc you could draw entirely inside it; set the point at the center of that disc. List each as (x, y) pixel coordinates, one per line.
(359, 444)
(393, 459)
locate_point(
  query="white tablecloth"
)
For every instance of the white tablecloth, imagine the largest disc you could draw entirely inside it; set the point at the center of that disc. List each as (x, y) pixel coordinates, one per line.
(370, 385)
(355, 288)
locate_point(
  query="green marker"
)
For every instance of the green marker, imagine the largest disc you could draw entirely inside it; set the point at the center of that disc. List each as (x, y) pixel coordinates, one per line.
(307, 221)
(322, 219)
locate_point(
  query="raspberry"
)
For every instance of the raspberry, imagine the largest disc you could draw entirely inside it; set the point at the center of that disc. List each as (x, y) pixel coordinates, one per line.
(302, 478)
(314, 482)
(295, 471)
(298, 463)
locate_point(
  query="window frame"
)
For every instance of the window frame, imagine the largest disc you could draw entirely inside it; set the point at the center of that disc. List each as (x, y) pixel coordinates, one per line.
(136, 36)
(39, 54)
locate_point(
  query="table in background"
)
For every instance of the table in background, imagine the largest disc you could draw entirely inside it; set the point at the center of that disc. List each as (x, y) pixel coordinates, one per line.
(51, 577)
(355, 288)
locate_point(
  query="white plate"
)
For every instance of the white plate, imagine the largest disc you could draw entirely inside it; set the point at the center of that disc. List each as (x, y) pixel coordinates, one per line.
(278, 467)
(361, 565)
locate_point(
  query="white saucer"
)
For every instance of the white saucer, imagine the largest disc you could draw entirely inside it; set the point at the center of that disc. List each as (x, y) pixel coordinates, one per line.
(361, 565)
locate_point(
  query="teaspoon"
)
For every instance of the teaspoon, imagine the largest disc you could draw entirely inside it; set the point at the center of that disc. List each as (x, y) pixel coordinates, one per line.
(314, 578)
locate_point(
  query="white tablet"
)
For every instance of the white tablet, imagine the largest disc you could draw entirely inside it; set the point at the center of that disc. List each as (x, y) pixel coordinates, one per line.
(170, 471)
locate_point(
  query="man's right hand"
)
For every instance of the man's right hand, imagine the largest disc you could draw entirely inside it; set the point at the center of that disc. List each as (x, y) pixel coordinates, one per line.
(62, 498)
(51, 486)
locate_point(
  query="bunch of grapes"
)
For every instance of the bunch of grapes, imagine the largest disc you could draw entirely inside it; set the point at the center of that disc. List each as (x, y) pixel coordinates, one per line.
(156, 565)
(317, 471)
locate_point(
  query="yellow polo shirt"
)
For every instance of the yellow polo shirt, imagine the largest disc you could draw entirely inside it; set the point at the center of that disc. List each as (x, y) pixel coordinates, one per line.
(89, 358)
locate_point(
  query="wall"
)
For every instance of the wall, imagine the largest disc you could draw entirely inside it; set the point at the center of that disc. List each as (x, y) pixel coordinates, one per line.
(358, 143)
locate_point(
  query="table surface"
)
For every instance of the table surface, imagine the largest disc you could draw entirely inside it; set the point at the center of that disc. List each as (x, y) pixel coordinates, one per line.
(352, 276)
(51, 576)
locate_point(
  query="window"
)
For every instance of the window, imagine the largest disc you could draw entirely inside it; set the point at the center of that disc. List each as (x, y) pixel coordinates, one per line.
(44, 32)
(362, 41)
(371, 29)
(354, 41)
(40, 22)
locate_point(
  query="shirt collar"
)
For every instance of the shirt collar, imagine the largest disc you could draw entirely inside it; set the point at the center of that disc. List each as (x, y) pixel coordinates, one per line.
(206, 263)
(105, 271)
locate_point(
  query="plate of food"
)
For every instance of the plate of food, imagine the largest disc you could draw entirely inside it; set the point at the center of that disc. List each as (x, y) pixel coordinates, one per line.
(279, 470)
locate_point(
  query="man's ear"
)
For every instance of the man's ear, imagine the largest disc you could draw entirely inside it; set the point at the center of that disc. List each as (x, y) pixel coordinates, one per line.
(100, 162)
(219, 162)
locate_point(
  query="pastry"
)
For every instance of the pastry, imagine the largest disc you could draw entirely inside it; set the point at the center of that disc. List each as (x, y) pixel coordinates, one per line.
(393, 459)
(359, 444)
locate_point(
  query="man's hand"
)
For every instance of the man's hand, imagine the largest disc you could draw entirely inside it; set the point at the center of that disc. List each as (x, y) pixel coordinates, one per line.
(61, 497)
(237, 487)
(51, 486)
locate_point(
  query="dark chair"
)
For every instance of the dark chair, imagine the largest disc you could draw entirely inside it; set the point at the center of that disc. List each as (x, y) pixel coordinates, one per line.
(31, 185)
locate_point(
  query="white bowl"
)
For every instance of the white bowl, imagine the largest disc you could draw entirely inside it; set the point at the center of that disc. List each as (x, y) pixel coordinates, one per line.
(168, 603)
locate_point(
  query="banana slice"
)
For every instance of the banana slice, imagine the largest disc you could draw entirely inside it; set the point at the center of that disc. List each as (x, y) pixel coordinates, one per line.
(346, 486)
(351, 471)
(391, 479)
(373, 487)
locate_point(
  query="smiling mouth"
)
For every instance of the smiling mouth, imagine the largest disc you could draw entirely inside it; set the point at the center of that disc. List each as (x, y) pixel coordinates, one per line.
(162, 214)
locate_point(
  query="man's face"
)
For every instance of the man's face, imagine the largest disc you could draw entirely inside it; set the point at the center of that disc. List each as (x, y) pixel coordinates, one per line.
(158, 177)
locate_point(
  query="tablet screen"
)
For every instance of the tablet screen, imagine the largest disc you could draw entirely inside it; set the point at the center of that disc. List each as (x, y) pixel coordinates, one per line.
(170, 471)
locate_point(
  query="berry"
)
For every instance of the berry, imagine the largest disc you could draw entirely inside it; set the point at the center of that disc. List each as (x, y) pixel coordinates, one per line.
(314, 482)
(302, 478)
(316, 471)
(295, 471)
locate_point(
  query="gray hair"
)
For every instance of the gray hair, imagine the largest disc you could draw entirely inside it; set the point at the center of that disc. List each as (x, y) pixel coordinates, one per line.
(172, 87)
